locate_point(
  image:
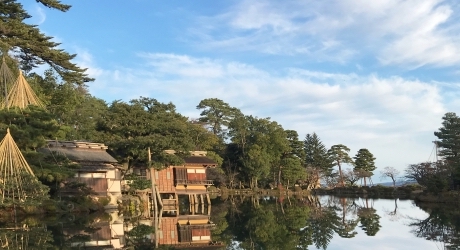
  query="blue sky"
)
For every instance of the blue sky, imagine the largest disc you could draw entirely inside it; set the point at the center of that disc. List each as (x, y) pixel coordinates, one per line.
(368, 74)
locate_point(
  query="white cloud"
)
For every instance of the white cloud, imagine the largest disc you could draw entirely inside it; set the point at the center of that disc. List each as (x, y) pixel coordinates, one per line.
(85, 60)
(410, 33)
(393, 117)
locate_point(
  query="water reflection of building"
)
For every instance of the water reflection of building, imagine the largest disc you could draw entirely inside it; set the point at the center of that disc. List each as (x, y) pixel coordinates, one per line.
(103, 234)
(179, 205)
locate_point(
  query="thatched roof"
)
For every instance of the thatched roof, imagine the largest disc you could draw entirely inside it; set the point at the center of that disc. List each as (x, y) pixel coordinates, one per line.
(199, 160)
(79, 151)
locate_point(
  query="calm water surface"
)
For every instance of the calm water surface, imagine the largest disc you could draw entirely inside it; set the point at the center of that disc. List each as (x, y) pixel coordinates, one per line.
(323, 222)
(328, 222)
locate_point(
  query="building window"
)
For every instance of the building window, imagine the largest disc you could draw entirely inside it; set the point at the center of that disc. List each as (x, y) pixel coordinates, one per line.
(143, 172)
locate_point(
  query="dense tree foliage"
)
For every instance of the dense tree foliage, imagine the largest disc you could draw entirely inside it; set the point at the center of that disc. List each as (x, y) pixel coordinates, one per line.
(292, 162)
(130, 128)
(260, 144)
(435, 176)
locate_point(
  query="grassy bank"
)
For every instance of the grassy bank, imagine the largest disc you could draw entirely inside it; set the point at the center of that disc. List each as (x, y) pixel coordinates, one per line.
(448, 197)
(408, 192)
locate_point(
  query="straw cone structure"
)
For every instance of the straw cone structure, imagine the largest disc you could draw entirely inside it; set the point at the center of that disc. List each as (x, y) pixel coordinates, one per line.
(21, 95)
(13, 170)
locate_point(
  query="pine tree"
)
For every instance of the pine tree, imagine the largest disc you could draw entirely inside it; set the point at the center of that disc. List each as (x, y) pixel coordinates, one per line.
(339, 153)
(449, 143)
(316, 155)
(218, 115)
(364, 163)
(32, 48)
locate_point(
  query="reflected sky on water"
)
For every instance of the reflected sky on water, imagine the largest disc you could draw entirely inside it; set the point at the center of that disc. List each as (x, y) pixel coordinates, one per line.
(395, 232)
(375, 224)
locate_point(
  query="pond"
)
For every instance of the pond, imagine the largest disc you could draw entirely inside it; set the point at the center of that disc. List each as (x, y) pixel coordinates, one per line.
(328, 222)
(248, 222)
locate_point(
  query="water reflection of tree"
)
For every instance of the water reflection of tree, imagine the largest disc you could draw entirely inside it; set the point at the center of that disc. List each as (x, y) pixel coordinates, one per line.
(442, 225)
(323, 223)
(287, 223)
(346, 228)
(269, 223)
(393, 214)
(27, 233)
(369, 219)
(35, 238)
(220, 212)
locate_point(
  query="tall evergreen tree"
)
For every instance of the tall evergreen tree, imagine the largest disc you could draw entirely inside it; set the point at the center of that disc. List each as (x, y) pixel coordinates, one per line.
(364, 163)
(32, 48)
(449, 143)
(292, 161)
(316, 155)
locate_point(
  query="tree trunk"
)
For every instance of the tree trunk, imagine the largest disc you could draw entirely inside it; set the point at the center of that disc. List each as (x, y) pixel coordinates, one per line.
(341, 175)
(279, 176)
(365, 184)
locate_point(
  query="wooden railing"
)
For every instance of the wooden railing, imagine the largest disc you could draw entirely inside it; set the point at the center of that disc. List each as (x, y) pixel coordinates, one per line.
(194, 182)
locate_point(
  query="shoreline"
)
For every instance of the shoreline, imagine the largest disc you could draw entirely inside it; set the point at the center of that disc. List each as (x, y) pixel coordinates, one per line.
(412, 192)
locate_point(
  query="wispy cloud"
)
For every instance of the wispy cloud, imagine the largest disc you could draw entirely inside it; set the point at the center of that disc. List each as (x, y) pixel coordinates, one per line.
(408, 33)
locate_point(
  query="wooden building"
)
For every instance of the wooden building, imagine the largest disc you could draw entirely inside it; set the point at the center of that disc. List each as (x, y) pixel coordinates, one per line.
(182, 213)
(188, 178)
(98, 169)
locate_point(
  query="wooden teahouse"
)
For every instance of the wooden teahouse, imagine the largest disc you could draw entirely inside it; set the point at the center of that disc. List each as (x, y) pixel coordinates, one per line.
(183, 215)
(98, 169)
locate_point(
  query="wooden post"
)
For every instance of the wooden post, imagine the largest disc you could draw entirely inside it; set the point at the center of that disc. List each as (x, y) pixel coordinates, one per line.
(195, 203)
(209, 203)
(202, 203)
(209, 199)
(155, 202)
(192, 204)
(159, 197)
